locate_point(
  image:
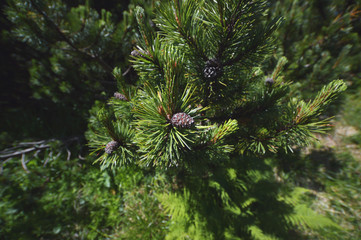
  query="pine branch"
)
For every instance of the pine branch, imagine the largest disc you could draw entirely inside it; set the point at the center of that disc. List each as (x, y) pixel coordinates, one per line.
(108, 68)
(185, 35)
(229, 30)
(303, 123)
(306, 112)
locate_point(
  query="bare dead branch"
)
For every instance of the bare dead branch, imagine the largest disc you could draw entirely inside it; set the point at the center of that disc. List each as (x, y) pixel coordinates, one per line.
(35, 143)
(69, 154)
(35, 147)
(23, 163)
(46, 161)
(17, 153)
(36, 154)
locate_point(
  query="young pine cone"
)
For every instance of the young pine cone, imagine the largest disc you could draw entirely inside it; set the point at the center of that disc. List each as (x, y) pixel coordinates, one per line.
(111, 147)
(269, 81)
(213, 69)
(138, 53)
(182, 120)
(120, 96)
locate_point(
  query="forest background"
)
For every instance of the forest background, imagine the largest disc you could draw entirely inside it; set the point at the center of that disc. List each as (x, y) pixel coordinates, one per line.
(56, 63)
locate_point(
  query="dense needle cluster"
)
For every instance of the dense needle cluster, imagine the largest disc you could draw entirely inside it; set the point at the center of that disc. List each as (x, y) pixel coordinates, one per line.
(182, 120)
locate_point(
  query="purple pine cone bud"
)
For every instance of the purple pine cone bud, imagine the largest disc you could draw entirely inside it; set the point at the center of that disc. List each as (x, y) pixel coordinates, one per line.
(269, 81)
(138, 53)
(120, 96)
(213, 69)
(111, 147)
(182, 120)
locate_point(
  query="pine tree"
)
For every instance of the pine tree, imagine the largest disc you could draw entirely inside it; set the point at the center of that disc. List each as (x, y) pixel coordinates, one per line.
(321, 41)
(205, 116)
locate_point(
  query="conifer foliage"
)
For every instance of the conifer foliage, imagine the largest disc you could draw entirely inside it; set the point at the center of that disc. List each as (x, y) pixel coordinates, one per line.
(204, 114)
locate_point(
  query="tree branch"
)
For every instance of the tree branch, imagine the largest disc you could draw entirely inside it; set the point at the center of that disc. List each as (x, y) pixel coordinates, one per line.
(17, 153)
(105, 65)
(189, 39)
(23, 163)
(32, 146)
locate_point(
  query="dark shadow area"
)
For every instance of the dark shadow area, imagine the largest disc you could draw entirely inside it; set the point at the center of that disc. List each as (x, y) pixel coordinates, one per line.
(52, 104)
(306, 169)
(248, 196)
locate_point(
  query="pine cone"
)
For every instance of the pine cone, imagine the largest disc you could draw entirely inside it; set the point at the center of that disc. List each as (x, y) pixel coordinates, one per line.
(138, 53)
(269, 81)
(120, 96)
(213, 69)
(111, 147)
(182, 120)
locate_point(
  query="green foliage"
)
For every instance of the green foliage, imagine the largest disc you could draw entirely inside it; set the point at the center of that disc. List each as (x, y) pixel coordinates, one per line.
(64, 53)
(62, 37)
(352, 110)
(74, 200)
(246, 193)
(331, 177)
(321, 41)
(344, 196)
(203, 62)
(105, 128)
(170, 70)
(58, 60)
(217, 172)
(304, 215)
